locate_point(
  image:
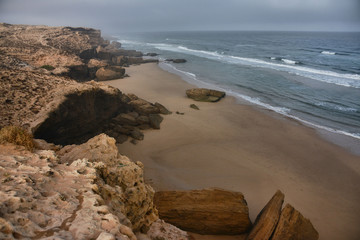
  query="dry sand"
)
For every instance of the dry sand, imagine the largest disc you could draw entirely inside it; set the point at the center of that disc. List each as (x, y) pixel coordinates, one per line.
(243, 148)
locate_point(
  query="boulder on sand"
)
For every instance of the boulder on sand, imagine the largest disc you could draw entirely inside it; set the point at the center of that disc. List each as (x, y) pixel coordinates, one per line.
(292, 225)
(208, 211)
(267, 219)
(204, 94)
(110, 73)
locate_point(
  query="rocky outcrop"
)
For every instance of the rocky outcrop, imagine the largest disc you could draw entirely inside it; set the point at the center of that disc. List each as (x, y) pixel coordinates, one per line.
(205, 95)
(41, 45)
(83, 192)
(121, 185)
(209, 211)
(267, 219)
(57, 108)
(77, 113)
(292, 225)
(110, 73)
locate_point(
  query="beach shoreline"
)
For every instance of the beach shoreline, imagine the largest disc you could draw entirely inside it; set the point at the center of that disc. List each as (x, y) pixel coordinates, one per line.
(239, 147)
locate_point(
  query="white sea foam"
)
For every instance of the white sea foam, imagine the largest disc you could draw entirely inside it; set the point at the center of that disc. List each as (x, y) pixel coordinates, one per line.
(131, 42)
(346, 80)
(288, 61)
(328, 53)
(336, 107)
(257, 101)
(273, 58)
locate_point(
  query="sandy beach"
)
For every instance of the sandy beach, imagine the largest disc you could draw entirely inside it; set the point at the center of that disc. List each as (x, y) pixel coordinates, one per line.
(242, 148)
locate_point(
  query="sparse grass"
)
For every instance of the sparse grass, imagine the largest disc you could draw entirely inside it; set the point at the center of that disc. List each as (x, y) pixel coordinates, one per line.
(48, 67)
(18, 136)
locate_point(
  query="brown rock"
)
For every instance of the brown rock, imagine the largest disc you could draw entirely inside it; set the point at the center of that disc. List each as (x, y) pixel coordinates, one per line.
(205, 95)
(144, 107)
(163, 110)
(292, 225)
(143, 119)
(155, 120)
(194, 106)
(110, 73)
(125, 119)
(96, 63)
(208, 211)
(267, 219)
(136, 134)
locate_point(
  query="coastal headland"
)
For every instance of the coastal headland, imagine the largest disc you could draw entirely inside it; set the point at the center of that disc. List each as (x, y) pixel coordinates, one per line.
(114, 140)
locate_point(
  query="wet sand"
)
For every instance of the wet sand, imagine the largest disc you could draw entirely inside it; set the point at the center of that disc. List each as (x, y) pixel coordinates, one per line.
(243, 148)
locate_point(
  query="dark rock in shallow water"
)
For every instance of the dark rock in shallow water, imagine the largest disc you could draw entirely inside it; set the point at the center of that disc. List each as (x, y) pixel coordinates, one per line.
(205, 95)
(152, 54)
(180, 60)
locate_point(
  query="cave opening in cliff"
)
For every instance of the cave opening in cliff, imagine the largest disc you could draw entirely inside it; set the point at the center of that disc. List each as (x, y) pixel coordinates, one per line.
(80, 117)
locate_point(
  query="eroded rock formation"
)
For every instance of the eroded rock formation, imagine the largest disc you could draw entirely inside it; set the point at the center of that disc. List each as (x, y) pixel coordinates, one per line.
(267, 219)
(38, 66)
(84, 192)
(208, 211)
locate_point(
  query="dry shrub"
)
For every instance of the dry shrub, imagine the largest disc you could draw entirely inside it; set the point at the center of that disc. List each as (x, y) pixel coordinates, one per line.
(16, 135)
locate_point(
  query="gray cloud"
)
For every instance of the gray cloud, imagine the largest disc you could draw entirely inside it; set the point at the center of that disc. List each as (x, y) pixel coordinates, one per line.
(156, 15)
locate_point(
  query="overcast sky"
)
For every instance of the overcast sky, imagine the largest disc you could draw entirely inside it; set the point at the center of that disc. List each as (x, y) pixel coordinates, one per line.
(113, 16)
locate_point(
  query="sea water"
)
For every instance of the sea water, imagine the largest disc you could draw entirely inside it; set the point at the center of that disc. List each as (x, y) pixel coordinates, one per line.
(309, 76)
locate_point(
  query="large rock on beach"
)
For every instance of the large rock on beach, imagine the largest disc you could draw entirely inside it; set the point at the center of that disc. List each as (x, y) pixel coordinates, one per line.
(204, 94)
(208, 211)
(267, 219)
(110, 73)
(292, 225)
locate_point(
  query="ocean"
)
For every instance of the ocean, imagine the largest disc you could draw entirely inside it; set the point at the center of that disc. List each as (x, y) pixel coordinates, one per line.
(313, 77)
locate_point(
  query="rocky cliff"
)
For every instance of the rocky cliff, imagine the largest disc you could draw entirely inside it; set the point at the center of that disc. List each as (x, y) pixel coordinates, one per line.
(90, 191)
(84, 192)
(40, 89)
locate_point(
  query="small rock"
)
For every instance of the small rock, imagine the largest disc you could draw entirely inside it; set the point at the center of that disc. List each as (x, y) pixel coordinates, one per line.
(136, 134)
(179, 113)
(163, 230)
(180, 60)
(155, 120)
(163, 110)
(106, 236)
(152, 54)
(143, 120)
(126, 119)
(121, 138)
(194, 107)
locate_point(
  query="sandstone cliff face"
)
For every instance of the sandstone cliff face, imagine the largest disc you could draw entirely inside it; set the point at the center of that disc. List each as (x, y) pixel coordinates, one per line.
(48, 101)
(86, 192)
(41, 45)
